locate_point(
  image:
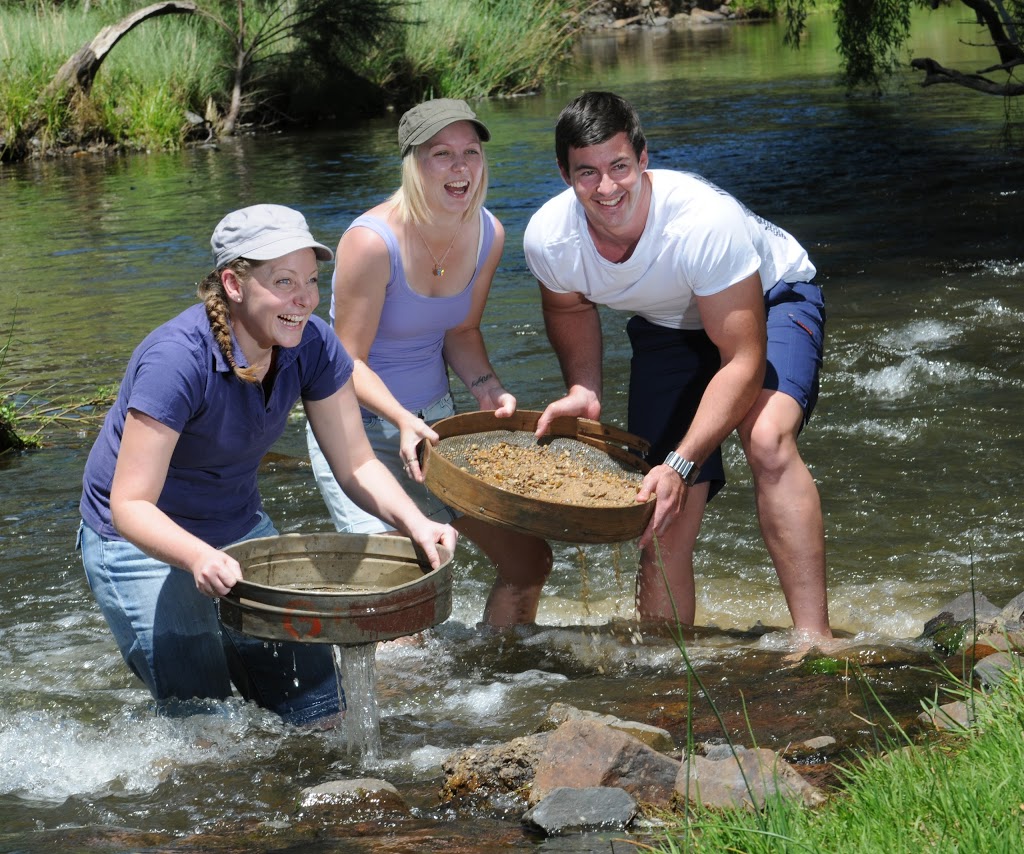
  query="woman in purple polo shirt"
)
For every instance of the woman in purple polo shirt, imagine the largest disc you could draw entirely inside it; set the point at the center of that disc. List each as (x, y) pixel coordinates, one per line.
(171, 479)
(410, 286)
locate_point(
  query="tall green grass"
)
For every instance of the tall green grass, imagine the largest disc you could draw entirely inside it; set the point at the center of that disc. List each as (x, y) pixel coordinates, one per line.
(144, 86)
(158, 71)
(478, 48)
(954, 793)
(167, 66)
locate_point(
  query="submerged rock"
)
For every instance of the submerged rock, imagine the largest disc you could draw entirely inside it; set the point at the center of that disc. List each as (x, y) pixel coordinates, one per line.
(654, 737)
(363, 799)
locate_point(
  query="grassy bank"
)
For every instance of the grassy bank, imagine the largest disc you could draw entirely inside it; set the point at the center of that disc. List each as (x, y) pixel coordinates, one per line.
(952, 793)
(276, 66)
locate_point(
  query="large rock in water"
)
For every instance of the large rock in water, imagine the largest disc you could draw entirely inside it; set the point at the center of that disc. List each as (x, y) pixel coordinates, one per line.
(583, 754)
(486, 772)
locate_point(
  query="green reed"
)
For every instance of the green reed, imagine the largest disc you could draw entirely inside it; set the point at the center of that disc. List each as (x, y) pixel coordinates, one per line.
(476, 48)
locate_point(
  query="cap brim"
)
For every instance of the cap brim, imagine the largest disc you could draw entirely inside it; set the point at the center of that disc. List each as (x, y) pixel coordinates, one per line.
(281, 246)
(427, 131)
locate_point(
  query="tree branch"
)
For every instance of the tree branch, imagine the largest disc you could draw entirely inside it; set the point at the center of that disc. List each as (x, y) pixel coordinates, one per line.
(935, 74)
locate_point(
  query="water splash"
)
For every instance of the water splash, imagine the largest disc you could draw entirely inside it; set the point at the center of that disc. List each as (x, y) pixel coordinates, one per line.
(357, 672)
(45, 755)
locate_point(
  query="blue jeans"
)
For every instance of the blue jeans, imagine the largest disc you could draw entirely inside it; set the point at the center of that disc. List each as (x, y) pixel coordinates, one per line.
(171, 636)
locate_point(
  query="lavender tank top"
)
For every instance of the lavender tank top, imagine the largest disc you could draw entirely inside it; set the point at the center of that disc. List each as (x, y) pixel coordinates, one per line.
(406, 354)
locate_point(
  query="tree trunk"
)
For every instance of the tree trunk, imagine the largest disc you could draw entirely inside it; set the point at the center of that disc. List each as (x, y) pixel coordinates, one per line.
(78, 73)
(80, 70)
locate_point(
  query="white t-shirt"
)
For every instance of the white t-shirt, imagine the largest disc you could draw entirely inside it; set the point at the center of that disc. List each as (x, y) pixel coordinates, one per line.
(698, 240)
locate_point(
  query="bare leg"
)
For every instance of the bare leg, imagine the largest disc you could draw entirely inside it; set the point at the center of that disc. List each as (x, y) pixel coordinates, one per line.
(522, 562)
(788, 508)
(664, 582)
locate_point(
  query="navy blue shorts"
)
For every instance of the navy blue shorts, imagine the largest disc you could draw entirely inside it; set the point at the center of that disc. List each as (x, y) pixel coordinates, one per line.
(671, 368)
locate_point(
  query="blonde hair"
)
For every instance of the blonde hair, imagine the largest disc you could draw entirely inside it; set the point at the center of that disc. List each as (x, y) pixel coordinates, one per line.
(410, 201)
(211, 291)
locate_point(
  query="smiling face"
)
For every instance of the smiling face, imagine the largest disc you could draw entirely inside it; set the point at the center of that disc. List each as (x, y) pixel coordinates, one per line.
(273, 306)
(452, 166)
(608, 181)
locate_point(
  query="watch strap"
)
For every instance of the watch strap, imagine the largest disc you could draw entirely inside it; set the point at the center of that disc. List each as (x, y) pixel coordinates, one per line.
(688, 469)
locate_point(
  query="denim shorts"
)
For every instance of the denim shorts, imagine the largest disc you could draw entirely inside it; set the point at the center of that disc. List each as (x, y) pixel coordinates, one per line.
(796, 342)
(349, 517)
(671, 368)
(171, 637)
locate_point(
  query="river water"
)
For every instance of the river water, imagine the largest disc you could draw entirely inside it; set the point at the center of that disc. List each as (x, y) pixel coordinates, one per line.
(909, 206)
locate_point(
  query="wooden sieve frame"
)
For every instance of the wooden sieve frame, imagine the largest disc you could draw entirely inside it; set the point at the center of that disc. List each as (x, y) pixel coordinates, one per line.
(551, 520)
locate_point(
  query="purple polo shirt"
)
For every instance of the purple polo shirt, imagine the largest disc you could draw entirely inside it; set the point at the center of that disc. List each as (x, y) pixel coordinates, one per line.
(178, 376)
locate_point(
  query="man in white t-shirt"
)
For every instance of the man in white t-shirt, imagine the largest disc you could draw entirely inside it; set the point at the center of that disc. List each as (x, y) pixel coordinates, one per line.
(727, 334)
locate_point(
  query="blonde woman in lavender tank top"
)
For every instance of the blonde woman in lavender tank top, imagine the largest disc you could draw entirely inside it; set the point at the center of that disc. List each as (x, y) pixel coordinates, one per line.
(411, 281)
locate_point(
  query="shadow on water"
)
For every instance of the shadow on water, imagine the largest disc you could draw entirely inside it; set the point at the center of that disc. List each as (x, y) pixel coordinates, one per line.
(909, 208)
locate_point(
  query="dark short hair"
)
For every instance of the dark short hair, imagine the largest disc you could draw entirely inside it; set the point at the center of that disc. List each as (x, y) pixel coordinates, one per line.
(593, 118)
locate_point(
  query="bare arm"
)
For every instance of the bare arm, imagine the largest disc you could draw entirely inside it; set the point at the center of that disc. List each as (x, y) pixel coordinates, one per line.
(464, 348)
(338, 428)
(735, 322)
(574, 330)
(361, 278)
(139, 476)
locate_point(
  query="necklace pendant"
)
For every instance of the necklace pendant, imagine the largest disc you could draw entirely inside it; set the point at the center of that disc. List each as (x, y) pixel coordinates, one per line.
(438, 270)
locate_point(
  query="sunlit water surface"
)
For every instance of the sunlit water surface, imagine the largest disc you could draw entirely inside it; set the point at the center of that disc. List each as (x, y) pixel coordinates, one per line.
(909, 205)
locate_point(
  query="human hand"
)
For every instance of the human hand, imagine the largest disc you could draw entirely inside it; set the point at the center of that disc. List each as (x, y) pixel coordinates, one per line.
(216, 573)
(578, 403)
(670, 493)
(437, 541)
(506, 405)
(412, 432)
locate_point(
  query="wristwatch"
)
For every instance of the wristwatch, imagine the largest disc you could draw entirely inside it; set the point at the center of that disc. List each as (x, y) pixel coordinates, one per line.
(688, 469)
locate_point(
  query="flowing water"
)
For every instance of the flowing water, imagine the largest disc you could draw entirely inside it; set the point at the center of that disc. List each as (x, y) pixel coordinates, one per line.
(356, 667)
(909, 205)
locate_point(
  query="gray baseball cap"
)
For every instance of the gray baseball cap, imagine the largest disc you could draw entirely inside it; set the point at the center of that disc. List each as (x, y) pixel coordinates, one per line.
(424, 120)
(262, 233)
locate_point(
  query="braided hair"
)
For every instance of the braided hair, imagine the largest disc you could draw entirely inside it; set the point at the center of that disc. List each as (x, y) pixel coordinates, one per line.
(211, 291)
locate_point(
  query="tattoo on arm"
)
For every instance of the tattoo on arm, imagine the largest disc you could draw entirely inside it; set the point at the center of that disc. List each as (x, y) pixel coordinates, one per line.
(481, 380)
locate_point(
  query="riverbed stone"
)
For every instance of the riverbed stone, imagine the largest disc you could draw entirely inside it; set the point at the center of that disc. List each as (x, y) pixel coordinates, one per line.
(746, 779)
(1013, 611)
(956, 716)
(965, 608)
(654, 737)
(993, 669)
(582, 754)
(361, 799)
(823, 746)
(567, 810)
(485, 772)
